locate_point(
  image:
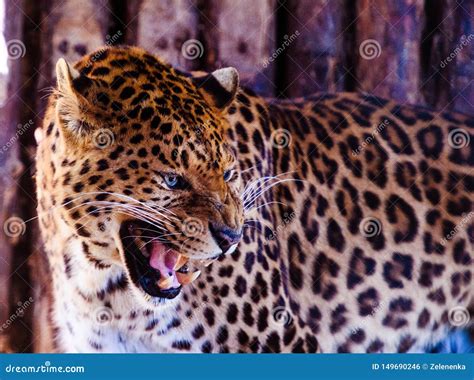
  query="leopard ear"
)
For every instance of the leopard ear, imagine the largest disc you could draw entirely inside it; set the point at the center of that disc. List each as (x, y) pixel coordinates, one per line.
(219, 87)
(65, 75)
(72, 104)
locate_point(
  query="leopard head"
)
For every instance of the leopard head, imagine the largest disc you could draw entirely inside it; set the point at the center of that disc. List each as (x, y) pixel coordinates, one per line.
(144, 168)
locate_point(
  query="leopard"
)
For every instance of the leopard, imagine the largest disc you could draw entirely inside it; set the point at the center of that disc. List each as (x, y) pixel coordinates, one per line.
(182, 212)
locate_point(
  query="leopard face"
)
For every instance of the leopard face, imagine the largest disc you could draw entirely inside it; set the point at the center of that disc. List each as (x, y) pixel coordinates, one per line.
(146, 170)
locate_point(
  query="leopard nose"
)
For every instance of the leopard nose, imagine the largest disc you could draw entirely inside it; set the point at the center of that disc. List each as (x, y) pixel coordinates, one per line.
(224, 236)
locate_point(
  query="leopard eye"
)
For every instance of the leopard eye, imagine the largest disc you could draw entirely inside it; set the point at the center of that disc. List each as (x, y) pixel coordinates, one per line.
(228, 174)
(174, 181)
(171, 180)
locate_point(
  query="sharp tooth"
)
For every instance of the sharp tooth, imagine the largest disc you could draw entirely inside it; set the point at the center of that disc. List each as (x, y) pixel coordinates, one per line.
(195, 275)
(208, 262)
(181, 261)
(165, 283)
(187, 278)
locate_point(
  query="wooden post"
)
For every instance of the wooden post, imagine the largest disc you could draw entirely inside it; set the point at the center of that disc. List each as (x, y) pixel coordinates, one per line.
(69, 29)
(315, 60)
(462, 47)
(167, 29)
(434, 83)
(10, 166)
(242, 34)
(447, 53)
(388, 48)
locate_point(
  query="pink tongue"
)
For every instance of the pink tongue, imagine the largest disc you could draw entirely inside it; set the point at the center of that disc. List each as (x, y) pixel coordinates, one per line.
(164, 259)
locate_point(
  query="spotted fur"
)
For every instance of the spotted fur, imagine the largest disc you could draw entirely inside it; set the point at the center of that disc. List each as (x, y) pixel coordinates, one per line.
(306, 276)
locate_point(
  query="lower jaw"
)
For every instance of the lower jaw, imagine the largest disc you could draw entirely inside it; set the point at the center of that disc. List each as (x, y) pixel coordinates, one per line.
(141, 274)
(150, 288)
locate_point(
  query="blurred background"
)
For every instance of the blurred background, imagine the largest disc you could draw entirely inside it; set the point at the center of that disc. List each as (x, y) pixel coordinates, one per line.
(412, 50)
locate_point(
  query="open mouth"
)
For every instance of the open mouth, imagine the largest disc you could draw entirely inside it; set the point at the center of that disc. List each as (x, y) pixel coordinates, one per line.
(154, 265)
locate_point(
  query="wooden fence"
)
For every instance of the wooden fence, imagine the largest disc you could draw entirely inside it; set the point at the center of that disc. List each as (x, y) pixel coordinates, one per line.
(411, 50)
